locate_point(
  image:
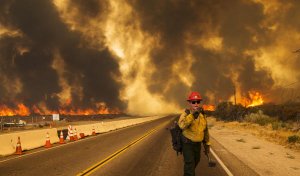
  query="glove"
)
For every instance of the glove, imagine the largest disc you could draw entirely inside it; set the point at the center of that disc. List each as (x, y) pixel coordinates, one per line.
(187, 111)
(206, 149)
(196, 114)
(201, 110)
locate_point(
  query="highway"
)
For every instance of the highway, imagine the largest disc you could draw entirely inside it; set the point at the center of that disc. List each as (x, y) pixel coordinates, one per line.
(139, 150)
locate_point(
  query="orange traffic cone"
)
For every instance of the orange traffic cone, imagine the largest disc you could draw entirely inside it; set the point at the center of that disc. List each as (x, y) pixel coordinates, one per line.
(70, 133)
(81, 135)
(48, 143)
(93, 133)
(61, 138)
(19, 148)
(75, 134)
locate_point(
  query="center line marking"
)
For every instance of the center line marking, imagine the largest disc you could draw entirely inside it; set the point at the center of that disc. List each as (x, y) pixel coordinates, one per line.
(98, 165)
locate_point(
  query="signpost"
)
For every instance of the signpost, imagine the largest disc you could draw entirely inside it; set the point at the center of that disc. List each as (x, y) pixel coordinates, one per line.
(55, 117)
(1, 124)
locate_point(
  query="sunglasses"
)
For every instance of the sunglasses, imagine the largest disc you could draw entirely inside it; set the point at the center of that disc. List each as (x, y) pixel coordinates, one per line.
(195, 102)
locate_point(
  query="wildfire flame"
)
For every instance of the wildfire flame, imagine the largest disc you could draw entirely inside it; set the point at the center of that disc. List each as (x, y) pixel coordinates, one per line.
(255, 99)
(209, 107)
(23, 110)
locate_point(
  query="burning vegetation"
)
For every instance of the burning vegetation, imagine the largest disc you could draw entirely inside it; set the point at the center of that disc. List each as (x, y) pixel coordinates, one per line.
(22, 110)
(254, 99)
(208, 107)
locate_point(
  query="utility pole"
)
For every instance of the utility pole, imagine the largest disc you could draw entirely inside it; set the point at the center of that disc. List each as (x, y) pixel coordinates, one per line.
(234, 96)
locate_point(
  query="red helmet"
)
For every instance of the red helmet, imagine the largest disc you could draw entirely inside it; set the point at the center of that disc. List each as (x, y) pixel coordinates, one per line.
(194, 96)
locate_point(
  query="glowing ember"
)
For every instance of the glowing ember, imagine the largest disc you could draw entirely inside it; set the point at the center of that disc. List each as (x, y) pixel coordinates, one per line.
(209, 107)
(255, 99)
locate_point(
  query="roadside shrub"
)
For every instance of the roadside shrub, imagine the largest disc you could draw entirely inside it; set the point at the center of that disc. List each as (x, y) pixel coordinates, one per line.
(259, 118)
(293, 139)
(278, 124)
(289, 111)
(227, 111)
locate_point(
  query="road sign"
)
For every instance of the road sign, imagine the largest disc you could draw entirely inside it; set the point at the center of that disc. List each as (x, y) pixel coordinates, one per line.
(55, 117)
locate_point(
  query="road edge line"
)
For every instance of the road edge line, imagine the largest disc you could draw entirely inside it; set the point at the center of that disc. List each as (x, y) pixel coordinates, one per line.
(221, 163)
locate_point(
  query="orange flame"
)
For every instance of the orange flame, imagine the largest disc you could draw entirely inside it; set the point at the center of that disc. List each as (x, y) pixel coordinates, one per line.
(23, 110)
(86, 111)
(255, 99)
(209, 107)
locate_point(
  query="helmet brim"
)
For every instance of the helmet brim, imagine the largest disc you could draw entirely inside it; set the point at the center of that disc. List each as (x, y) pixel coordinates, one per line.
(198, 99)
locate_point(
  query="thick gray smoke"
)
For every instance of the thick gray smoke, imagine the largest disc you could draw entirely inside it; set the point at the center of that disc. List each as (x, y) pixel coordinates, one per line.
(237, 22)
(220, 43)
(43, 33)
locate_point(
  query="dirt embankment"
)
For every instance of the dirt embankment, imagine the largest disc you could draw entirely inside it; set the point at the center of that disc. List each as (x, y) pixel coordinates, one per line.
(256, 147)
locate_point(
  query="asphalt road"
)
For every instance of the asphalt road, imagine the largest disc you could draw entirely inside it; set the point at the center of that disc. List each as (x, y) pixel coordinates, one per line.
(146, 151)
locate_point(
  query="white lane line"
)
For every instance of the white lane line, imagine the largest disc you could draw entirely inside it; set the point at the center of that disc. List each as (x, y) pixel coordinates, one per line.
(221, 163)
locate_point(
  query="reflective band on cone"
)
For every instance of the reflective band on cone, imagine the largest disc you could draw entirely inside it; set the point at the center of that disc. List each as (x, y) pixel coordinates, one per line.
(19, 148)
(61, 138)
(48, 143)
(70, 133)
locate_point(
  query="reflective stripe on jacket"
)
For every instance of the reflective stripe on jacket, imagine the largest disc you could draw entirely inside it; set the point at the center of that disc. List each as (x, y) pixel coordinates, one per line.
(194, 129)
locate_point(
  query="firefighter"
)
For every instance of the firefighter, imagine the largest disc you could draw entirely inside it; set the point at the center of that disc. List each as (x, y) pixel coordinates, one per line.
(194, 132)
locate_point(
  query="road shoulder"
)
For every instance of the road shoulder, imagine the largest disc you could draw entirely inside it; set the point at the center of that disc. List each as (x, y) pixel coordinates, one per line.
(256, 154)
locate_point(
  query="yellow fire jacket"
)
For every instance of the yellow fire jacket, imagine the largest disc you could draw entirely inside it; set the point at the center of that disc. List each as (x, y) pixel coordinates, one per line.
(194, 129)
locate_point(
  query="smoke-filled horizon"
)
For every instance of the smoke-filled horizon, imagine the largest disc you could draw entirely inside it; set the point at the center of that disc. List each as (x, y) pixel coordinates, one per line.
(145, 57)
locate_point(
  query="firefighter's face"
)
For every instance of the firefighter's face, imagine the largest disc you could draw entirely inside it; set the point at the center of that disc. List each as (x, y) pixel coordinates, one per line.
(195, 104)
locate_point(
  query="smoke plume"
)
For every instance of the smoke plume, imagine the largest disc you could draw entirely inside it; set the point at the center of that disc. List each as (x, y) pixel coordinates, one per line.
(27, 60)
(144, 57)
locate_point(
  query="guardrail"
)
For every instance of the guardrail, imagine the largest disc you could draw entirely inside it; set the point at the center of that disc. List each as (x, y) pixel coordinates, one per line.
(36, 138)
